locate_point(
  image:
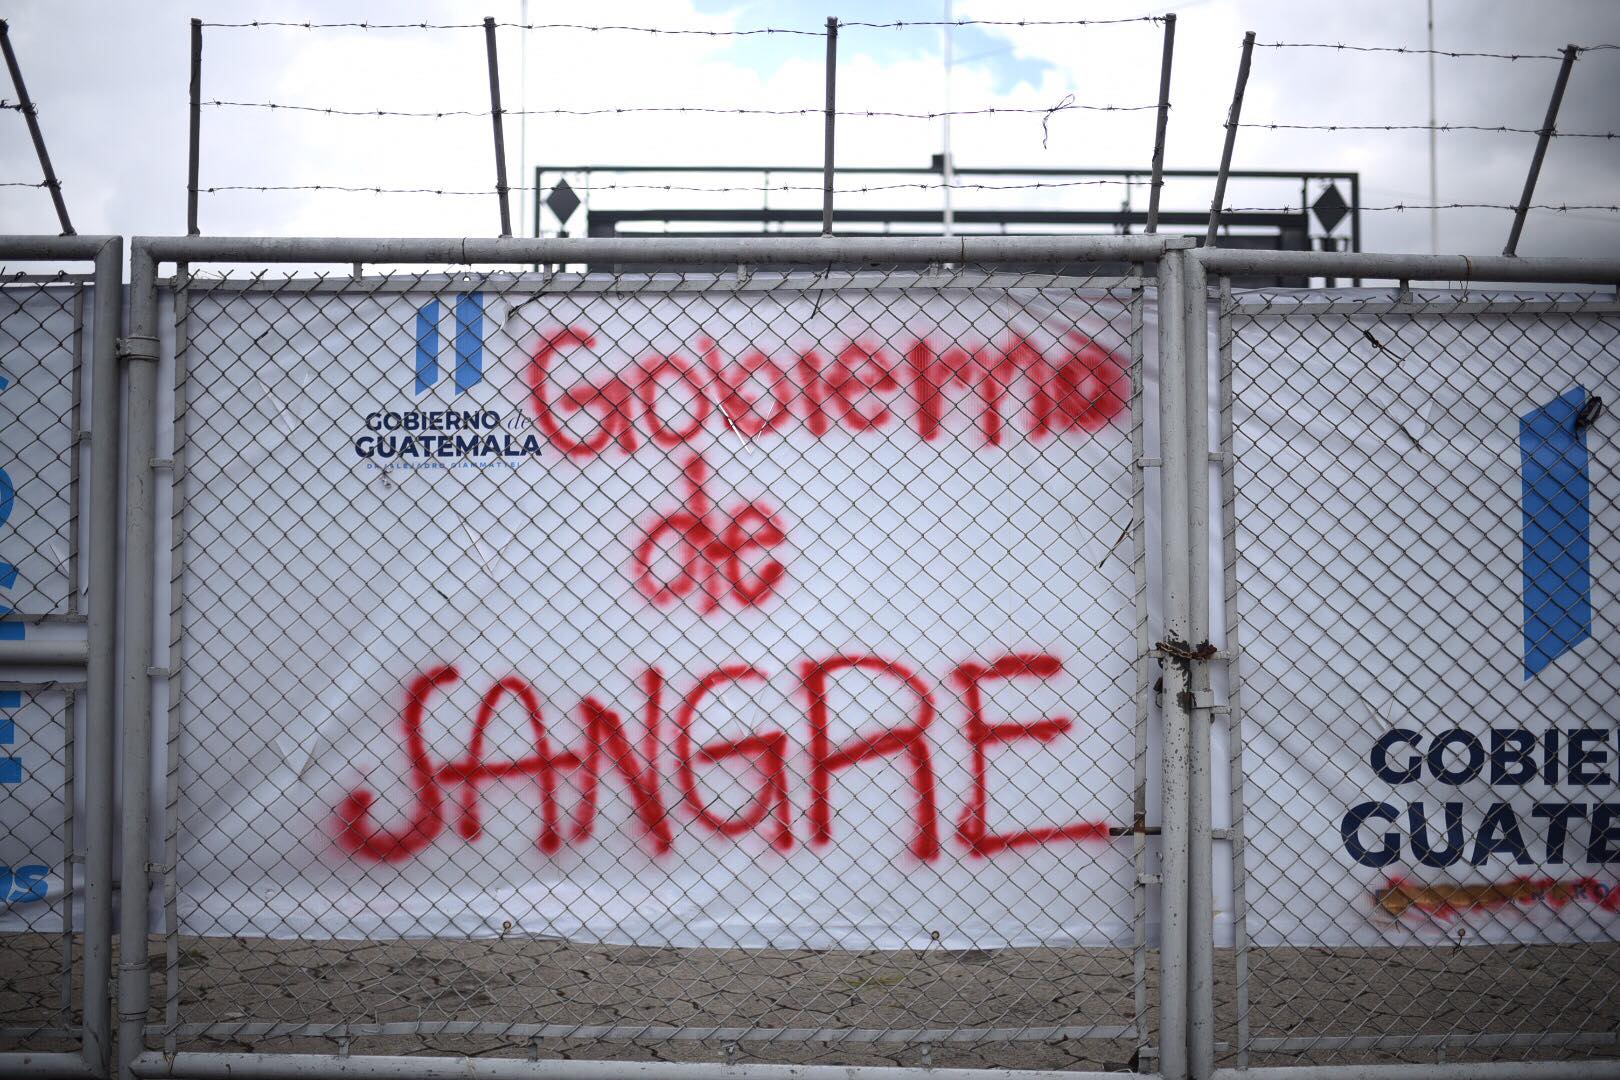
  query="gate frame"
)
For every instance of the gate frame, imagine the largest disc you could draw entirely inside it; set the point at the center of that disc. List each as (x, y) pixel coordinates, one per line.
(1222, 264)
(830, 253)
(95, 656)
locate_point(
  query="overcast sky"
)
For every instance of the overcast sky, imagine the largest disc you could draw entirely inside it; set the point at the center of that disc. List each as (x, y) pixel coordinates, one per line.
(110, 82)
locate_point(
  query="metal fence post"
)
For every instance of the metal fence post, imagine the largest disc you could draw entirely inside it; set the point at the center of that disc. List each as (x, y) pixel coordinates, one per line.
(194, 150)
(1200, 853)
(1547, 126)
(1157, 183)
(831, 116)
(500, 133)
(1173, 939)
(30, 116)
(140, 351)
(1232, 117)
(101, 680)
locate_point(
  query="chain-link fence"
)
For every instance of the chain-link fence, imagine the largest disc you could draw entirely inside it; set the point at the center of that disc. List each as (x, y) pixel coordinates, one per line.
(1420, 512)
(57, 563)
(838, 653)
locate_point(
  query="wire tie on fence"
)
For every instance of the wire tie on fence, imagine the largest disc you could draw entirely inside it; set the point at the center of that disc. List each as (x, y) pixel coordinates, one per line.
(1181, 650)
(1066, 102)
(1589, 413)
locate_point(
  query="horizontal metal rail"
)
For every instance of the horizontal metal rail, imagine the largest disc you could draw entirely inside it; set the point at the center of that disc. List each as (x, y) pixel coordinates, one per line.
(1470, 1070)
(46, 248)
(831, 251)
(36, 653)
(283, 1030)
(46, 1066)
(1340, 264)
(271, 1067)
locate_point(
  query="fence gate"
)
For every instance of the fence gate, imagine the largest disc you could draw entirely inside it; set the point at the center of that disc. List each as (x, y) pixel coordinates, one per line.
(1420, 522)
(58, 500)
(717, 667)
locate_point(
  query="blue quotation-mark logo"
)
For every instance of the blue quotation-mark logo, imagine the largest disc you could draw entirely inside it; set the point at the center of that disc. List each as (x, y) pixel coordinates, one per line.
(1557, 507)
(469, 343)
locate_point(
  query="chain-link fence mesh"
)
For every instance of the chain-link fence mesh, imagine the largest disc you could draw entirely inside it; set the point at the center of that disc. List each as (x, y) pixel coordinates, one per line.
(747, 667)
(43, 342)
(1421, 506)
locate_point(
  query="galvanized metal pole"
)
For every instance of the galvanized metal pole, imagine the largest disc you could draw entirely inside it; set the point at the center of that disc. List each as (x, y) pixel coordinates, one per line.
(194, 161)
(1174, 762)
(101, 679)
(26, 105)
(831, 113)
(1163, 123)
(140, 351)
(500, 134)
(1200, 838)
(1434, 150)
(1232, 117)
(1547, 126)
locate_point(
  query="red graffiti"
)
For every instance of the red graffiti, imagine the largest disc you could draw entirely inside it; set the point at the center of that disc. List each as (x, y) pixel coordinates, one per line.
(860, 386)
(1400, 896)
(608, 747)
(604, 736)
(972, 826)
(908, 738)
(767, 750)
(711, 557)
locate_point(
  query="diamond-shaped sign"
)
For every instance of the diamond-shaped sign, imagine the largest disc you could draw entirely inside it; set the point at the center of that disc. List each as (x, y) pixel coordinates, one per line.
(1330, 207)
(562, 201)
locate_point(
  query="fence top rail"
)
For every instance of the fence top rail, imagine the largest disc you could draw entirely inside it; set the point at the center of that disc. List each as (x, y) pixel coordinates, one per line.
(52, 248)
(1492, 268)
(756, 251)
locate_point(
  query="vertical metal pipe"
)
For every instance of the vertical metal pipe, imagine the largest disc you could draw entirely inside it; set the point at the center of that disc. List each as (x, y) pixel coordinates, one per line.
(831, 114)
(500, 134)
(1163, 123)
(1233, 115)
(100, 677)
(1174, 763)
(26, 105)
(1234, 668)
(141, 353)
(1200, 841)
(1434, 150)
(1547, 126)
(193, 162)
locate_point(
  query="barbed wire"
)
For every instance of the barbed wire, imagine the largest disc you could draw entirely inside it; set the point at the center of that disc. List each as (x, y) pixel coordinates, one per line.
(1405, 50)
(1494, 128)
(995, 110)
(367, 189)
(1558, 207)
(4, 104)
(22, 183)
(262, 24)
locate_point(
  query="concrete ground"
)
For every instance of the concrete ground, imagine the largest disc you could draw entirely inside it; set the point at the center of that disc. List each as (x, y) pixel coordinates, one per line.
(833, 1007)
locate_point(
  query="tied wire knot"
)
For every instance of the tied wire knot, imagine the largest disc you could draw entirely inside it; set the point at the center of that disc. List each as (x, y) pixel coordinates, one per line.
(1066, 102)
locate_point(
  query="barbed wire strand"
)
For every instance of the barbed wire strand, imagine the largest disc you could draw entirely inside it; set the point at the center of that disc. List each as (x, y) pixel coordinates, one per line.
(1405, 50)
(747, 188)
(755, 189)
(263, 24)
(23, 183)
(1063, 106)
(1494, 128)
(1558, 207)
(1413, 51)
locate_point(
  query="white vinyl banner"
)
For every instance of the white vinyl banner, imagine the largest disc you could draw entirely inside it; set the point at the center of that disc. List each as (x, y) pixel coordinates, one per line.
(719, 618)
(39, 333)
(1428, 538)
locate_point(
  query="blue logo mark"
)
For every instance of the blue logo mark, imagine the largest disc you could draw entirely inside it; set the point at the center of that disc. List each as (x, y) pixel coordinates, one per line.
(469, 343)
(11, 771)
(30, 881)
(1557, 505)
